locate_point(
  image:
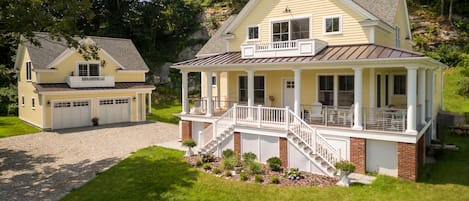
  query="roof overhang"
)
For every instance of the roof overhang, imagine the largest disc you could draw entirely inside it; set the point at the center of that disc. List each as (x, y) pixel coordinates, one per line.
(377, 23)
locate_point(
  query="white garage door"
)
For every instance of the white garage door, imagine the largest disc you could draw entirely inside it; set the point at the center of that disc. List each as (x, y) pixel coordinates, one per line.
(71, 114)
(114, 110)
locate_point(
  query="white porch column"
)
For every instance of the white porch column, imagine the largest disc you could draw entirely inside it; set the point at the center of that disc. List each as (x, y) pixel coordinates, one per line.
(335, 91)
(208, 79)
(421, 96)
(297, 92)
(250, 87)
(358, 85)
(218, 90)
(149, 103)
(185, 93)
(411, 100)
(372, 95)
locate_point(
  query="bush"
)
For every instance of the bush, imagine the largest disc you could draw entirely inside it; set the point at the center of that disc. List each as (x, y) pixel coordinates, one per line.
(228, 163)
(228, 153)
(249, 156)
(228, 174)
(345, 166)
(199, 163)
(189, 143)
(208, 158)
(243, 176)
(258, 178)
(216, 171)
(294, 174)
(207, 166)
(275, 164)
(275, 180)
(254, 168)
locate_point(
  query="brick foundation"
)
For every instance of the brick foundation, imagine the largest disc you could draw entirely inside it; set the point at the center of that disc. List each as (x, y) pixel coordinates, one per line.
(421, 150)
(207, 124)
(407, 161)
(358, 154)
(186, 130)
(283, 147)
(237, 142)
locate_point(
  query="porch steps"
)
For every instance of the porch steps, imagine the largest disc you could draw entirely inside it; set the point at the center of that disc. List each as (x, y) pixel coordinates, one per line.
(212, 145)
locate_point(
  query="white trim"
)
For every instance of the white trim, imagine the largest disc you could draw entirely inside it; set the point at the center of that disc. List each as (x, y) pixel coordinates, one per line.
(333, 32)
(258, 32)
(96, 91)
(98, 99)
(132, 71)
(409, 32)
(64, 55)
(241, 15)
(335, 87)
(373, 135)
(22, 100)
(33, 103)
(255, 75)
(357, 8)
(289, 19)
(112, 59)
(43, 107)
(30, 122)
(77, 63)
(52, 102)
(372, 34)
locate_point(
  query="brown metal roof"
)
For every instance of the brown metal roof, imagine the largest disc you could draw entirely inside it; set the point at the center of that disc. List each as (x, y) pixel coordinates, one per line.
(331, 53)
(64, 87)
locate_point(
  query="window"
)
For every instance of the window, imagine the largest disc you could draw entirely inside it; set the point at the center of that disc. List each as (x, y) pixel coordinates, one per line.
(33, 103)
(290, 30)
(22, 100)
(258, 89)
(400, 82)
(398, 37)
(88, 69)
(28, 71)
(333, 24)
(326, 90)
(346, 90)
(214, 80)
(253, 32)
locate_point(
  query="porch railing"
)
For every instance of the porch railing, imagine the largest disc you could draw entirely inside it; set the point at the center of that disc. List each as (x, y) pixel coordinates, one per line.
(336, 116)
(199, 105)
(385, 119)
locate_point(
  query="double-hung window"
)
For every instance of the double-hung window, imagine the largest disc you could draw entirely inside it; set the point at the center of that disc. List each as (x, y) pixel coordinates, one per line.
(291, 30)
(28, 71)
(280, 31)
(253, 32)
(88, 69)
(346, 90)
(332, 24)
(326, 89)
(400, 85)
(33, 103)
(259, 89)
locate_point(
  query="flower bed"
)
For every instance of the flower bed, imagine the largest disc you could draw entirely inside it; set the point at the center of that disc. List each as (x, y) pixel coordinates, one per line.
(306, 178)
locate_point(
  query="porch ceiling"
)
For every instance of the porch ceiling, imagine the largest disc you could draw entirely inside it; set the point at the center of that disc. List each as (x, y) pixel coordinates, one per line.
(331, 54)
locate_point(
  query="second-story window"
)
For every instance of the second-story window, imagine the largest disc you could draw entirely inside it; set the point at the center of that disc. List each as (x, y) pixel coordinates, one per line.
(88, 69)
(291, 30)
(253, 32)
(333, 24)
(280, 31)
(28, 71)
(300, 29)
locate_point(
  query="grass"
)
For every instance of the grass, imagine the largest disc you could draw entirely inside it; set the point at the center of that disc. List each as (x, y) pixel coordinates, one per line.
(157, 173)
(164, 113)
(454, 102)
(12, 126)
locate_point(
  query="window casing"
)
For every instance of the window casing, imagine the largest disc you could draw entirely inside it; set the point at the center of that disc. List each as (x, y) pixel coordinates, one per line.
(346, 90)
(22, 100)
(294, 29)
(253, 32)
(333, 25)
(259, 89)
(33, 103)
(400, 85)
(90, 69)
(28, 71)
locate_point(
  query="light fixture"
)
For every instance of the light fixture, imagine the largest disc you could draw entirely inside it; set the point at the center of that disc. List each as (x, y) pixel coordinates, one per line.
(287, 10)
(134, 98)
(48, 102)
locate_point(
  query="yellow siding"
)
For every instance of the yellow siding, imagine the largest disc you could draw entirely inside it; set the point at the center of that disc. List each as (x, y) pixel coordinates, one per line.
(353, 32)
(26, 90)
(389, 39)
(69, 65)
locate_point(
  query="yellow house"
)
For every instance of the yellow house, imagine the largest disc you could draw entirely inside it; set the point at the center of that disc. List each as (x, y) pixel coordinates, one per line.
(314, 82)
(58, 88)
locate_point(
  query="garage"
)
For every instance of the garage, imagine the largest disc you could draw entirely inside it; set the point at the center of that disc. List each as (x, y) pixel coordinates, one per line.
(114, 110)
(71, 114)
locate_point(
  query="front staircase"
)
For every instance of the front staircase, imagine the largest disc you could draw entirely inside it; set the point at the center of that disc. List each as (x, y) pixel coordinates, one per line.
(300, 134)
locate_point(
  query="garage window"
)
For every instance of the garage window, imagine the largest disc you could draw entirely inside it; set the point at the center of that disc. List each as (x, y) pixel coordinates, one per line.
(80, 104)
(61, 105)
(106, 102)
(122, 101)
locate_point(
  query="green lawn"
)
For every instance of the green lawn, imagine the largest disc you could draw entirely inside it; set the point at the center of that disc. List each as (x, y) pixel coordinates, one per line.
(454, 102)
(164, 113)
(161, 174)
(11, 126)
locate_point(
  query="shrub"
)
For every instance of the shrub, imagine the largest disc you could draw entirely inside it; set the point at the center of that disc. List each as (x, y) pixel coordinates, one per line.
(258, 178)
(275, 164)
(294, 174)
(249, 156)
(345, 166)
(207, 166)
(189, 143)
(208, 158)
(216, 171)
(243, 176)
(199, 163)
(228, 153)
(228, 163)
(275, 180)
(254, 168)
(228, 174)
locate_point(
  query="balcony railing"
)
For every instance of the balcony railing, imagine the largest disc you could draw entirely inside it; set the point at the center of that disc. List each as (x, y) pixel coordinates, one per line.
(199, 105)
(303, 47)
(90, 81)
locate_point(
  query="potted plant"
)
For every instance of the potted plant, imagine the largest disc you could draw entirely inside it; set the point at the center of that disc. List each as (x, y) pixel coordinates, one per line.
(189, 144)
(344, 168)
(95, 121)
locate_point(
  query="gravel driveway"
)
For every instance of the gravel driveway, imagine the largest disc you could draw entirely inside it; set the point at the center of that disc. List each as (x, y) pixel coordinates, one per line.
(47, 165)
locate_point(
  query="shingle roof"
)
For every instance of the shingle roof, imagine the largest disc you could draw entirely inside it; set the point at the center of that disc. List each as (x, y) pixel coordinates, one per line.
(331, 53)
(385, 10)
(122, 50)
(64, 87)
(216, 44)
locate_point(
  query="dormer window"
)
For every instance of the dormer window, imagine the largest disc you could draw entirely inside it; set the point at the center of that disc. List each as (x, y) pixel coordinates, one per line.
(253, 32)
(294, 29)
(333, 24)
(91, 69)
(28, 71)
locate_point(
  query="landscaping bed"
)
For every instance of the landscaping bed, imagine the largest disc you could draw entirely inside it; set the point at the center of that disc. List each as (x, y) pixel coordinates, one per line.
(265, 175)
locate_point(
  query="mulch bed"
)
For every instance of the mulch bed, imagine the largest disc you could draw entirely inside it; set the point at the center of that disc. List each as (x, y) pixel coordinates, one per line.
(310, 179)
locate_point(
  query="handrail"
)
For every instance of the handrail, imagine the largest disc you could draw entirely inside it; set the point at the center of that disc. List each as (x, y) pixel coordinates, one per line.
(214, 130)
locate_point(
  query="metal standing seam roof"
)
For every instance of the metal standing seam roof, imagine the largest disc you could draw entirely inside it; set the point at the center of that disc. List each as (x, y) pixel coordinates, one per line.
(330, 53)
(64, 87)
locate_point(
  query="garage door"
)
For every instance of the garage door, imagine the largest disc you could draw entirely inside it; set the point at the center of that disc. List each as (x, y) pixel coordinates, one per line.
(114, 110)
(71, 114)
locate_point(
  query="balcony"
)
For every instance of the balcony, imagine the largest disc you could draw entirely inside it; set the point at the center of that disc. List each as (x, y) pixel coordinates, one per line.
(304, 47)
(90, 81)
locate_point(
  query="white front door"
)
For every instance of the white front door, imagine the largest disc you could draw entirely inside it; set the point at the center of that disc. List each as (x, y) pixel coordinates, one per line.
(114, 110)
(71, 114)
(289, 93)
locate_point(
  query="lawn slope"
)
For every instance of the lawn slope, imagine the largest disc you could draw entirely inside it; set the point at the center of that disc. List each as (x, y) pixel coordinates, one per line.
(11, 126)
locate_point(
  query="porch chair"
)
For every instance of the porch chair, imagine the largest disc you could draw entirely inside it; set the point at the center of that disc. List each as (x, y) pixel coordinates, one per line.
(316, 112)
(345, 115)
